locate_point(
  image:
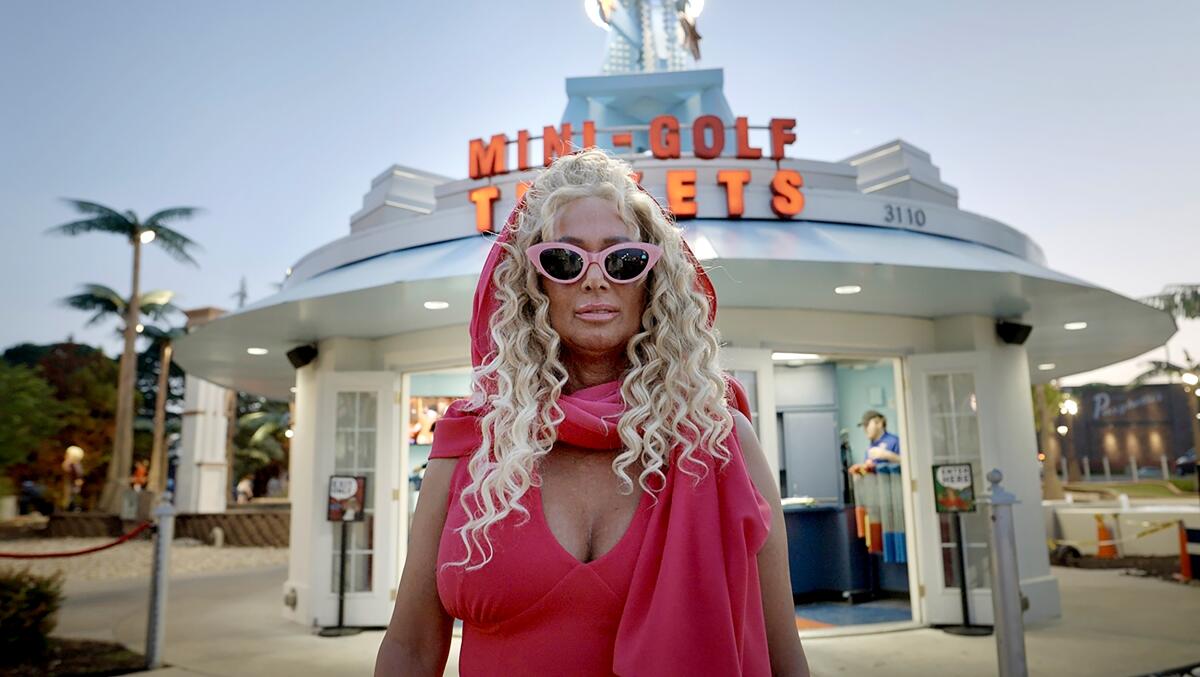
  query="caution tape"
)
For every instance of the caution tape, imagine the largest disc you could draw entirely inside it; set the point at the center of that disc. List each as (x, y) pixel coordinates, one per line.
(1151, 528)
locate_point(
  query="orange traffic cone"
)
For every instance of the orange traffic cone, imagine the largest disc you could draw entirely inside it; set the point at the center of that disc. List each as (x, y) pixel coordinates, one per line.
(1185, 562)
(1107, 548)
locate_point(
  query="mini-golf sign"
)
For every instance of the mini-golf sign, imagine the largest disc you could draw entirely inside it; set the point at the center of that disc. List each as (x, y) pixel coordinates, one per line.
(347, 497)
(953, 488)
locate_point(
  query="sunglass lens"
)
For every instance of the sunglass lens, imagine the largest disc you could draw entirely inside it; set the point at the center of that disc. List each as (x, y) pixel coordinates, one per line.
(626, 264)
(561, 264)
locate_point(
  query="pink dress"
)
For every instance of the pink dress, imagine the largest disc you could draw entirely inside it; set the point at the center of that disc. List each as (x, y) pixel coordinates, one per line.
(534, 609)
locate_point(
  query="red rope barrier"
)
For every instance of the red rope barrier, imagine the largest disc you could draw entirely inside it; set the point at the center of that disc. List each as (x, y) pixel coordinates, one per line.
(75, 553)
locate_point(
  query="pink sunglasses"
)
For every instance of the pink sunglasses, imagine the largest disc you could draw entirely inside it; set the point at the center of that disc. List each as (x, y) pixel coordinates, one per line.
(621, 263)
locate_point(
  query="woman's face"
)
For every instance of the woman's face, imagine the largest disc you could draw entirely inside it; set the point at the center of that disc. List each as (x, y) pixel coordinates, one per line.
(593, 315)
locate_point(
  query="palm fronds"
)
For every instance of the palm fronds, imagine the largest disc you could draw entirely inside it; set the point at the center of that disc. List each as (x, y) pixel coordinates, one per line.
(1181, 300)
(98, 299)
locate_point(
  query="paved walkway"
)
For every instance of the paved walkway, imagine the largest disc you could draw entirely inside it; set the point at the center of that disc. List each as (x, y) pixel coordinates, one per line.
(229, 624)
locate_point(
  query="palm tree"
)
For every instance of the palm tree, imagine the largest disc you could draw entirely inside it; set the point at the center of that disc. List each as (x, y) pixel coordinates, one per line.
(163, 338)
(1181, 300)
(104, 302)
(101, 219)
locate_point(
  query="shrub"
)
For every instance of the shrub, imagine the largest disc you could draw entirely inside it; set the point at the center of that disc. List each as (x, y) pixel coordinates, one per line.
(28, 604)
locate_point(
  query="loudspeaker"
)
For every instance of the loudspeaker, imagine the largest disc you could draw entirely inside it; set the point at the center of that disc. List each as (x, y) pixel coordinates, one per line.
(1011, 332)
(300, 356)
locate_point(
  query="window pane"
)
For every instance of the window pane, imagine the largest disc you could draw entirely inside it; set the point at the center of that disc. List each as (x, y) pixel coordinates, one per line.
(343, 458)
(346, 405)
(366, 411)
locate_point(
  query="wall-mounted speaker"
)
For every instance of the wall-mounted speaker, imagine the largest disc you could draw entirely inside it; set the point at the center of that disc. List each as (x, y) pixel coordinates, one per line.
(300, 356)
(1012, 332)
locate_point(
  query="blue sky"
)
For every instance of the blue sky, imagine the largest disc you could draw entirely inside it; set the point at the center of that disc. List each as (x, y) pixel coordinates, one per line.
(1075, 122)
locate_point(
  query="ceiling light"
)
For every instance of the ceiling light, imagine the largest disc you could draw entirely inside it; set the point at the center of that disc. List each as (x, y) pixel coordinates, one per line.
(787, 357)
(147, 236)
(436, 305)
(1047, 366)
(288, 433)
(1075, 326)
(847, 289)
(1190, 378)
(287, 272)
(140, 327)
(257, 351)
(1062, 430)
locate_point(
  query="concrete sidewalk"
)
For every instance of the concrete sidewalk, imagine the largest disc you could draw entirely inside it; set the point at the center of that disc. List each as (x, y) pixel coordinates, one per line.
(229, 624)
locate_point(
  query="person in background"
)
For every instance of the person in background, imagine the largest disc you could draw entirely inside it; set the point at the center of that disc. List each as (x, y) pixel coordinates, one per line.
(245, 489)
(885, 447)
(141, 475)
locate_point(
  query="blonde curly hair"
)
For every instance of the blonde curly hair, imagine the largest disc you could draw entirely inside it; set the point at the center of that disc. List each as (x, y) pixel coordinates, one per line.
(674, 389)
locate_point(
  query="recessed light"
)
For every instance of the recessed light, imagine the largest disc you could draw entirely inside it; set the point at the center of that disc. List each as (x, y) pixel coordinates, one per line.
(287, 272)
(436, 305)
(288, 433)
(257, 351)
(787, 357)
(1075, 326)
(847, 289)
(1047, 366)
(292, 389)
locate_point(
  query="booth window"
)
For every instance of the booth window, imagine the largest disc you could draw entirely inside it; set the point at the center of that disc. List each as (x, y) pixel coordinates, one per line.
(954, 437)
(354, 454)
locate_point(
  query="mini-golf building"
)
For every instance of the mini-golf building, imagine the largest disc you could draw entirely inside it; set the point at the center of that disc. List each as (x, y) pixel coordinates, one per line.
(844, 287)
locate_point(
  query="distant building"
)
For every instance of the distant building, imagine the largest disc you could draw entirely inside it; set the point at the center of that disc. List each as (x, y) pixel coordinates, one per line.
(1134, 430)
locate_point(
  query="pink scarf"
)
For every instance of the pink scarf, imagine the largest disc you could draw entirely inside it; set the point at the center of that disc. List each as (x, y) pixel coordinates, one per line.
(694, 604)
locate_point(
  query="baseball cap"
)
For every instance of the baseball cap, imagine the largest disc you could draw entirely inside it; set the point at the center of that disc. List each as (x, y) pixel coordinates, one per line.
(870, 414)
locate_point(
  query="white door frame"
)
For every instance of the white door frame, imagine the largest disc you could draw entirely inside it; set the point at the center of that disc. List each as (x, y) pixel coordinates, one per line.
(372, 608)
(759, 361)
(941, 604)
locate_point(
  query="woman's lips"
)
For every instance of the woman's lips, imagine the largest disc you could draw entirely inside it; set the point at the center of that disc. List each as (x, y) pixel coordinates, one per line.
(596, 312)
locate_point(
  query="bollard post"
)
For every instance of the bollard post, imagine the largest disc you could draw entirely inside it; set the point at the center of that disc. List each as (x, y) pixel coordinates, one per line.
(156, 623)
(1006, 581)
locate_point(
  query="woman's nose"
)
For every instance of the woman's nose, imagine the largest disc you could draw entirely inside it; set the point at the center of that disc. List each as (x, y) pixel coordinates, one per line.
(593, 278)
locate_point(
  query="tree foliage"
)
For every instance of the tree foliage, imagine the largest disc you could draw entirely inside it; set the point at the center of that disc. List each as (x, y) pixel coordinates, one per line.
(29, 413)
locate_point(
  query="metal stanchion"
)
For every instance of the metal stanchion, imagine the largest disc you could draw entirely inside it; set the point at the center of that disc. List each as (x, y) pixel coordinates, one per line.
(1006, 582)
(156, 624)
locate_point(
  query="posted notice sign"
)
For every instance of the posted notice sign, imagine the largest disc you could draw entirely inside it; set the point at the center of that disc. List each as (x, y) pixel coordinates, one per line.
(347, 497)
(953, 488)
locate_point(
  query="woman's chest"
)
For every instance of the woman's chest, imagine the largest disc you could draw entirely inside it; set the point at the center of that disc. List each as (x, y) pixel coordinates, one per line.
(582, 503)
(529, 569)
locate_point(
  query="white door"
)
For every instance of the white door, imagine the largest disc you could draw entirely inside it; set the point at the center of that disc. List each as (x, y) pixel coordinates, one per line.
(947, 391)
(360, 437)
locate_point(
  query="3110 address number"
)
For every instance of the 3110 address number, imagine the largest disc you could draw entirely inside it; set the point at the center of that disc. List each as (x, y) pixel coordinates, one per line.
(904, 215)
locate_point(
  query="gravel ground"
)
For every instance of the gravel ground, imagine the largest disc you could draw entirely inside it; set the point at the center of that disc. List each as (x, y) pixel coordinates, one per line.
(132, 559)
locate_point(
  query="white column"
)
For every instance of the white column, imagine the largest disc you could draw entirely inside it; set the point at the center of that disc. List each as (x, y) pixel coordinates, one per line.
(202, 476)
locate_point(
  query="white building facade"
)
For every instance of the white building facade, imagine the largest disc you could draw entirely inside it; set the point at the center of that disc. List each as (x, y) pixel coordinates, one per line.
(877, 264)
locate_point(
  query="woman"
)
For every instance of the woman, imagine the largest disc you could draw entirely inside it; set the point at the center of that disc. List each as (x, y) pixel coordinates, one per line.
(596, 506)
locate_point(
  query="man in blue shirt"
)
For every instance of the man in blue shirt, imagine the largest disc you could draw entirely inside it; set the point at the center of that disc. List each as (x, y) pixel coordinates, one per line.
(885, 447)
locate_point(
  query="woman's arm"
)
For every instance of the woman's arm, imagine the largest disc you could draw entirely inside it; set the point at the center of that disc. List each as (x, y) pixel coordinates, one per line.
(417, 641)
(787, 655)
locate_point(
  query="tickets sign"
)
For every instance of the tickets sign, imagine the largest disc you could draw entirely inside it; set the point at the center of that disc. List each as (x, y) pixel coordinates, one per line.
(953, 487)
(347, 498)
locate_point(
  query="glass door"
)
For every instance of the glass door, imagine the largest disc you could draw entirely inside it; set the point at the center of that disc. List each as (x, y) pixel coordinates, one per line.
(947, 394)
(361, 436)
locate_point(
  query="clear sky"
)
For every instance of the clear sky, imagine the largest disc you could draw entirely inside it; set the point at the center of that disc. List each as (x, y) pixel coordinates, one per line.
(1077, 122)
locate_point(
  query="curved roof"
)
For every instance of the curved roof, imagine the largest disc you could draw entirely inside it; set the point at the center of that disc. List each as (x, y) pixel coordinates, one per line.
(902, 272)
